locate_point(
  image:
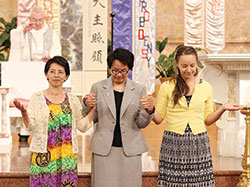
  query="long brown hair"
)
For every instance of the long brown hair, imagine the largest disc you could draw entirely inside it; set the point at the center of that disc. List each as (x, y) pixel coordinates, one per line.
(181, 88)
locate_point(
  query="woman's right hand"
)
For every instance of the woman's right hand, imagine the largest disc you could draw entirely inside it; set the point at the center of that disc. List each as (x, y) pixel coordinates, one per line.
(90, 100)
(20, 106)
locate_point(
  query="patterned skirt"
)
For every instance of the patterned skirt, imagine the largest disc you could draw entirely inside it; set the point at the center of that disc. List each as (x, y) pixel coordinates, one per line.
(185, 160)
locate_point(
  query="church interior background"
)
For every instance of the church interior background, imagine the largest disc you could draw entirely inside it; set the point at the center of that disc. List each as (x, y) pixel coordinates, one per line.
(227, 70)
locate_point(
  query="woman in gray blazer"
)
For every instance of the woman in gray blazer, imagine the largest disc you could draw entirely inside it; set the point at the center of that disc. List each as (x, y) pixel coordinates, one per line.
(122, 109)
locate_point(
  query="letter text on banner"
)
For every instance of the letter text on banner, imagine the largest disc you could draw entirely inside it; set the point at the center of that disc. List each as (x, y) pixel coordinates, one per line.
(95, 34)
(23, 10)
(52, 10)
(215, 25)
(194, 23)
(144, 43)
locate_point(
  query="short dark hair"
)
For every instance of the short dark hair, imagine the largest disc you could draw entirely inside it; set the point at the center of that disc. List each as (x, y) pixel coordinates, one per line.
(60, 61)
(123, 55)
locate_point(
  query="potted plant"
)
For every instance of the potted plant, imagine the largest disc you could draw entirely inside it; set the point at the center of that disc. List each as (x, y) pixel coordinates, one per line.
(5, 28)
(165, 65)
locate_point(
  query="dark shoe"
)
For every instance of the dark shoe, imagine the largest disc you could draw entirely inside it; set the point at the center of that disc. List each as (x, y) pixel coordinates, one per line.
(23, 138)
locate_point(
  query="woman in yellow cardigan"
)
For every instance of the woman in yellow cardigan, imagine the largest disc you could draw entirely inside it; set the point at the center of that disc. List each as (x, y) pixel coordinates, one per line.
(186, 101)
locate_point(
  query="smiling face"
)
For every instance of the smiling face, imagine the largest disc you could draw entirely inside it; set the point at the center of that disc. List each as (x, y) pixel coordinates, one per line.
(56, 75)
(119, 72)
(187, 65)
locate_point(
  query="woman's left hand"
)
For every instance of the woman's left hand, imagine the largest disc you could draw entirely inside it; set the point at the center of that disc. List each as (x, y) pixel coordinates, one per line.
(147, 102)
(232, 107)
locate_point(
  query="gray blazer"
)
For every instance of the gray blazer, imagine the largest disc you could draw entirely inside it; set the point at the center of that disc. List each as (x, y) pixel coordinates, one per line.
(132, 118)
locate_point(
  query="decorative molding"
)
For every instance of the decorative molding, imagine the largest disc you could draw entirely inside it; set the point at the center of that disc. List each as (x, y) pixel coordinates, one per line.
(228, 62)
(225, 58)
(215, 75)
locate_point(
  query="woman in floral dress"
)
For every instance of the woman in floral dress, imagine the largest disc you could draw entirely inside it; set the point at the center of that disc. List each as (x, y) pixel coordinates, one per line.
(54, 116)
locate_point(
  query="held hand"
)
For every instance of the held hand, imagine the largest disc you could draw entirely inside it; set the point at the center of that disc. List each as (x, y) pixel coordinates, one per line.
(147, 102)
(20, 106)
(232, 107)
(90, 100)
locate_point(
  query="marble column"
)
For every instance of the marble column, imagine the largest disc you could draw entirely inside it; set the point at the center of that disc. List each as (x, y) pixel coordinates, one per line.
(5, 135)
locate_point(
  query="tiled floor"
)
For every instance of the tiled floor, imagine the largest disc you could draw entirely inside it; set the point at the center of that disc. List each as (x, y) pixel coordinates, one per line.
(18, 157)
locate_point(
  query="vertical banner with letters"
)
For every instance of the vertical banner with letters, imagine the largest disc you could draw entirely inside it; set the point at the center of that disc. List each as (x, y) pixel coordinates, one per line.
(215, 25)
(52, 10)
(144, 43)
(23, 10)
(194, 23)
(95, 34)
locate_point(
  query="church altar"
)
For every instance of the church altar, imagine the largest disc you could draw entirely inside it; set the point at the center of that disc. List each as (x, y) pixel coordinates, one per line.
(229, 75)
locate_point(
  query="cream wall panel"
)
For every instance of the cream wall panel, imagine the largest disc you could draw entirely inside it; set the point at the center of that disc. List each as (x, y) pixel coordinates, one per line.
(91, 77)
(76, 82)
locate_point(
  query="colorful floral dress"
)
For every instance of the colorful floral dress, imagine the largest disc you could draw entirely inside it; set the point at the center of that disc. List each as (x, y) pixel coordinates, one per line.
(57, 167)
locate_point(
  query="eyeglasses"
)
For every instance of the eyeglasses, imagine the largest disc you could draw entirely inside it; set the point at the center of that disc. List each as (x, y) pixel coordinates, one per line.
(123, 72)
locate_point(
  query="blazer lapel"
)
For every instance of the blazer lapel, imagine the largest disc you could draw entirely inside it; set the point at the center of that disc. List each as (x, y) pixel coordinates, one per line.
(108, 95)
(127, 97)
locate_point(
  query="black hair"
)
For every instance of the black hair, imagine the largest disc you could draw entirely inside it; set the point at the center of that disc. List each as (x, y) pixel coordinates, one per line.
(60, 61)
(123, 55)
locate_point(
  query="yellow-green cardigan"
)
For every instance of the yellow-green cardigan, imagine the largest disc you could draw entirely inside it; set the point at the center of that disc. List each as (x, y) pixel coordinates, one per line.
(180, 115)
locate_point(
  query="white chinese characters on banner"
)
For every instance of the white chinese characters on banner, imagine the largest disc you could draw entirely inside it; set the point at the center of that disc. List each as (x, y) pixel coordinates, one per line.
(95, 34)
(144, 43)
(193, 23)
(215, 25)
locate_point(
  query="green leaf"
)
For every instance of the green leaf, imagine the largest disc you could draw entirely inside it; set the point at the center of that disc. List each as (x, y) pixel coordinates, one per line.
(3, 37)
(163, 44)
(157, 76)
(5, 29)
(14, 22)
(200, 49)
(200, 65)
(2, 57)
(166, 64)
(161, 59)
(8, 27)
(171, 72)
(2, 21)
(158, 43)
(181, 45)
